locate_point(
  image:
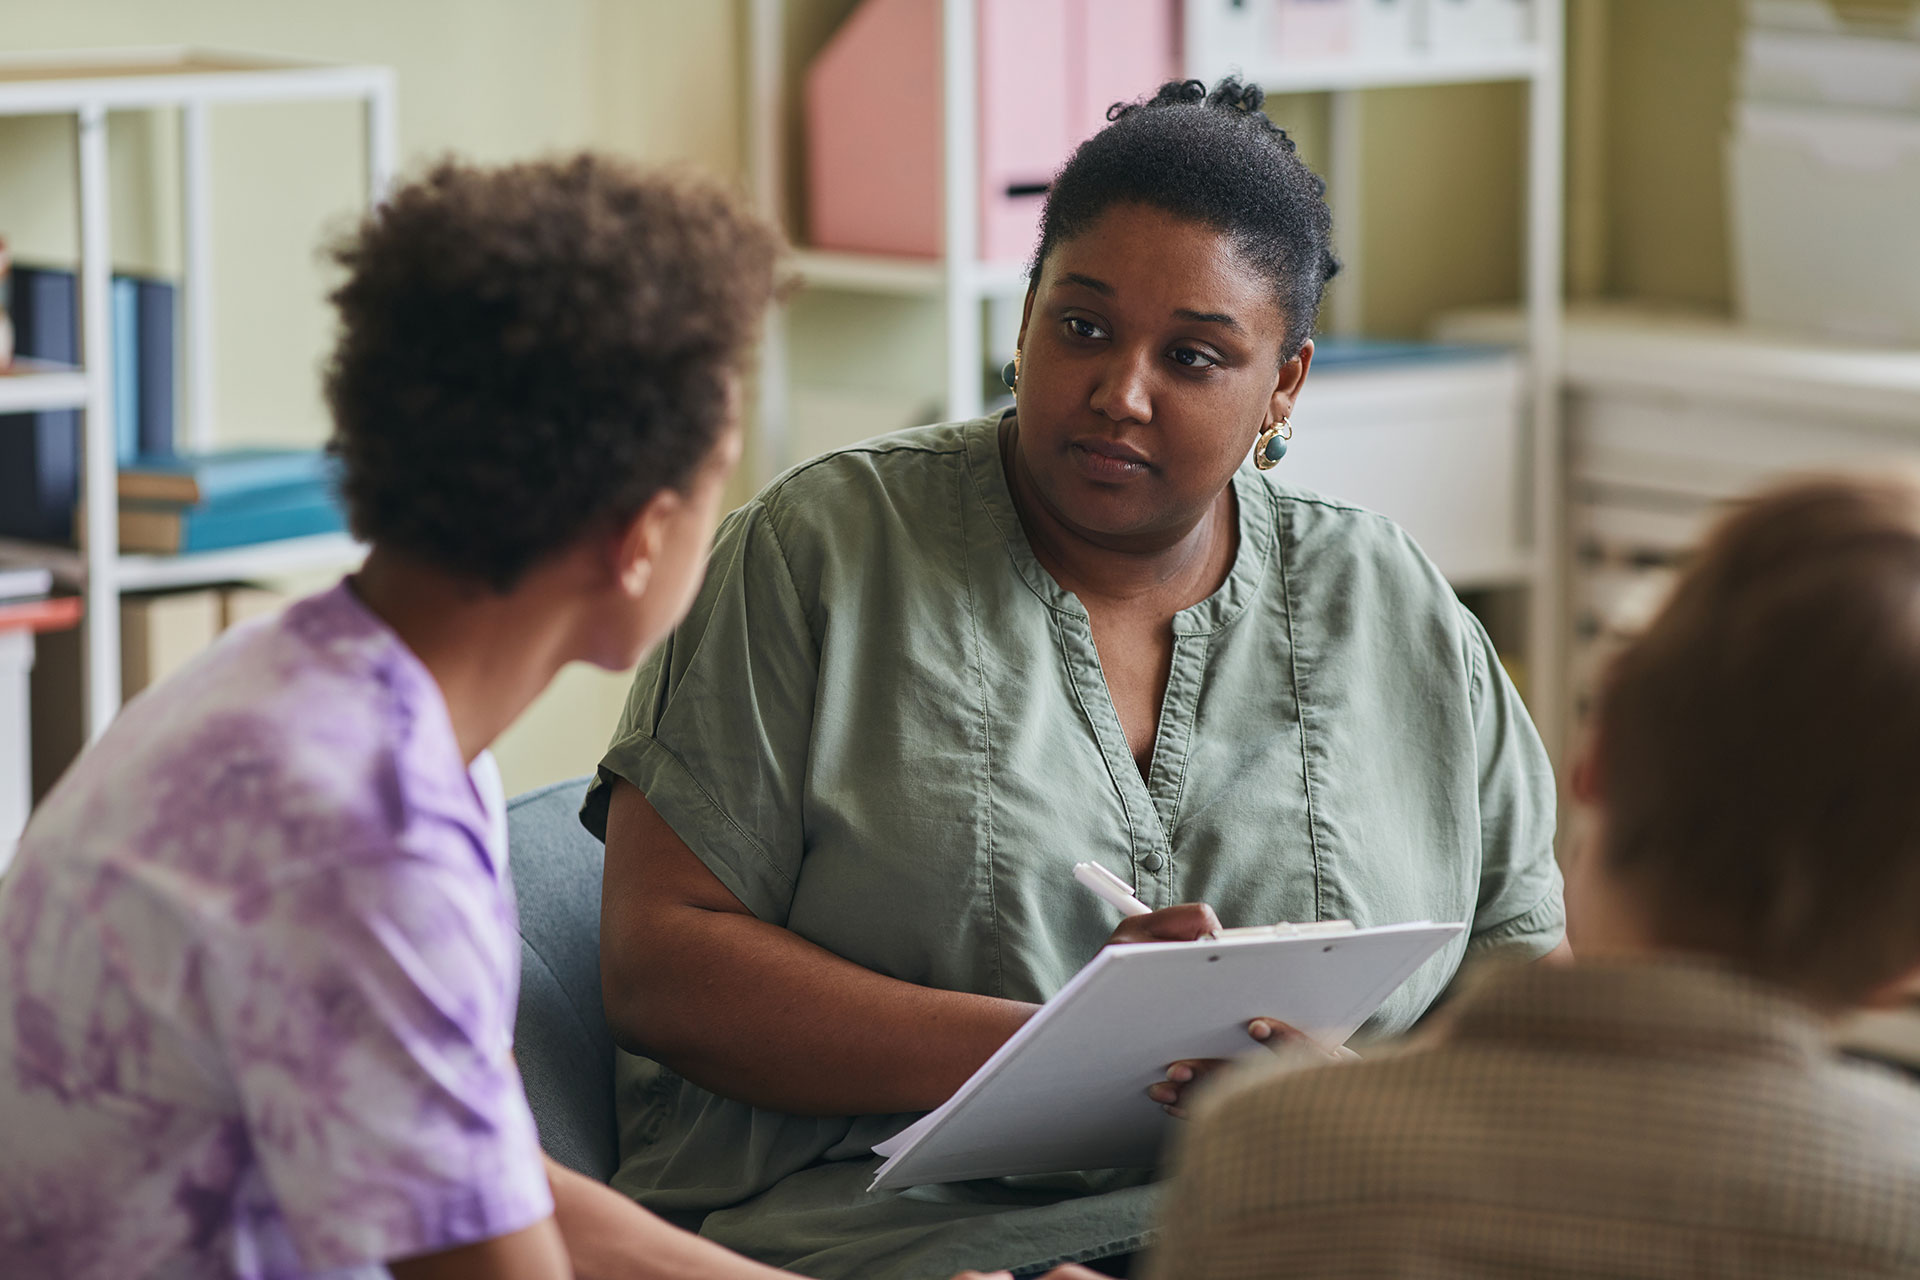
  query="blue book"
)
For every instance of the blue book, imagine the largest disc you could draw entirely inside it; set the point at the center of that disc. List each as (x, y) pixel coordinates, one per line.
(299, 511)
(157, 347)
(40, 452)
(126, 369)
(189, 478)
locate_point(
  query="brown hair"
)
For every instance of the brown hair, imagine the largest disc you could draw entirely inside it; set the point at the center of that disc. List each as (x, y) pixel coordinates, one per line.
(1759, 745)
(529, 352)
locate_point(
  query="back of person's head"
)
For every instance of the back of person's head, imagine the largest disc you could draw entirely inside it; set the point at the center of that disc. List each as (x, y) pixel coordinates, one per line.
(1758, 748)
(1214, 158)
(529, 353)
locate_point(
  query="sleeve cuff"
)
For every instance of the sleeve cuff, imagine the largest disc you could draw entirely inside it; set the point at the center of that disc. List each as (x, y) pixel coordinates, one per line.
(735, 857)
(1531, 935)
(462, 1216)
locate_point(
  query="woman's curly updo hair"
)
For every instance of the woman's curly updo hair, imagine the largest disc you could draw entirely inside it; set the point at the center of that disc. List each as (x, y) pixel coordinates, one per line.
(1217, 159)
(529, 353)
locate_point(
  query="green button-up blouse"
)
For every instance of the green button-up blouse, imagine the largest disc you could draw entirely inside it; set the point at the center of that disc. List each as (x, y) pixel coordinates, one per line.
(884, 726)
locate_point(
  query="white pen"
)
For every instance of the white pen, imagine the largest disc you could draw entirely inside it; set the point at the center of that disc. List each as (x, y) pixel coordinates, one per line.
(1111, 887)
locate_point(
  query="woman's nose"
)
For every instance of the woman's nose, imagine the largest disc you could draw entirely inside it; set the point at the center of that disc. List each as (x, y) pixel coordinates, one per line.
(1124, 392)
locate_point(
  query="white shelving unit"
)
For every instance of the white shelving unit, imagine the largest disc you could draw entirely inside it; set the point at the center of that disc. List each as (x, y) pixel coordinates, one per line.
(1669, 416)
(87, 85)
(963, 284)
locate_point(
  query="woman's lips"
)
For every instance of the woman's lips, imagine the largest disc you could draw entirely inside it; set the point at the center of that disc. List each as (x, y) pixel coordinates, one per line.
(1108, 459)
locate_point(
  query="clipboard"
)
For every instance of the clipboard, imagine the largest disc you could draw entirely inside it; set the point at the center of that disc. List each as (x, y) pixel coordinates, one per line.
(1069, 1089)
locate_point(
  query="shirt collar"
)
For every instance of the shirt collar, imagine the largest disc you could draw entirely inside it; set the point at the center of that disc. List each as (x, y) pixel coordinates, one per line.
(1659, 1008)
(1258, 517)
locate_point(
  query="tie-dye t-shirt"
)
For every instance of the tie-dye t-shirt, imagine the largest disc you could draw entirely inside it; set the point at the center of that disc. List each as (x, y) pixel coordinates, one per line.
(258, 970)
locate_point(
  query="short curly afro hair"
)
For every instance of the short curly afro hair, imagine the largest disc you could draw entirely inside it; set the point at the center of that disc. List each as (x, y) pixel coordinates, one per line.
(1217, 159)
(529, 353)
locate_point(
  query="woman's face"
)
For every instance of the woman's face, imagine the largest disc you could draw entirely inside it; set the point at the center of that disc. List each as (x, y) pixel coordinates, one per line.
(1150, 359)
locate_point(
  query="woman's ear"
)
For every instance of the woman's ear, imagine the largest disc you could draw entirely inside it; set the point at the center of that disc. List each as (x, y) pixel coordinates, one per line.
(1026, 314)
(637, 544)
(1287, 383)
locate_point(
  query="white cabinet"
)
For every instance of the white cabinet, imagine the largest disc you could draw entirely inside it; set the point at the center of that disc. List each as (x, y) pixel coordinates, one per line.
(1436, 443)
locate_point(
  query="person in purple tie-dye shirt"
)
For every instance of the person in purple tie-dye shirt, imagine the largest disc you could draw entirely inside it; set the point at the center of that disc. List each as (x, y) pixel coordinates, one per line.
(258, 956)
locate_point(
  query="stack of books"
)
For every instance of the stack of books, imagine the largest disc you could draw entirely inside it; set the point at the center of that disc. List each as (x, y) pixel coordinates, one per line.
(40, 450)
(227, 498)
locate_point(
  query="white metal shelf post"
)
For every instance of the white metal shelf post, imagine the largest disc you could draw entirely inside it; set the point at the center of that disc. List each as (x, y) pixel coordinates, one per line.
(196, 187)
(102, 500)
(1546, 168)
(766, 31)
(960, 202)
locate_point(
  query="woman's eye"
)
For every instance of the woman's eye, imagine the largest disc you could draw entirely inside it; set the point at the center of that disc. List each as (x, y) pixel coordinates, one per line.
(1084, 328)
(1192, 359)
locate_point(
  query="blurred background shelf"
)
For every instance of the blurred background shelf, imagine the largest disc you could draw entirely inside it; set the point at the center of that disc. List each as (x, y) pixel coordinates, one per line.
(1672, 414)
(1330, 75)
(29, 385)
(907, 277)
(265, 560)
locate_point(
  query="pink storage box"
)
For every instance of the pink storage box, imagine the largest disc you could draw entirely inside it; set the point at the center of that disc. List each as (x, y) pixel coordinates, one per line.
(1048, 69)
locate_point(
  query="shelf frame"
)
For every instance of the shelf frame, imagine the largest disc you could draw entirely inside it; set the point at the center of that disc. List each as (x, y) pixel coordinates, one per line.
(190, 81)
(962, 284)
(30, 386)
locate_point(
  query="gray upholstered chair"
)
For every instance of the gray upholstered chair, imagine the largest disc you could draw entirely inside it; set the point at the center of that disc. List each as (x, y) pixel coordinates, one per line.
(561, 1039)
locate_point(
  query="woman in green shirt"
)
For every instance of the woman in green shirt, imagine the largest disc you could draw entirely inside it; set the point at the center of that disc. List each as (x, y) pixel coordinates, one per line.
(928, 674)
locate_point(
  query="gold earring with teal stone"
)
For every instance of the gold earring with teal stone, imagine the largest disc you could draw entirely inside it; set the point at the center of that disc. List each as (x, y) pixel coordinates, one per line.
(1010, 371)
(1272, 445)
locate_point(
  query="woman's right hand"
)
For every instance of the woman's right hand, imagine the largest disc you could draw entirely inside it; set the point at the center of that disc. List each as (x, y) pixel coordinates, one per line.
(1187, 922)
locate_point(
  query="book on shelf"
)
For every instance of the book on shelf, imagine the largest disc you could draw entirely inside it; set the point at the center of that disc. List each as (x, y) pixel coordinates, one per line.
(126, 369)
(40, 451)
(155, 344)
(20, 581)
(189, 478)
(291, 511)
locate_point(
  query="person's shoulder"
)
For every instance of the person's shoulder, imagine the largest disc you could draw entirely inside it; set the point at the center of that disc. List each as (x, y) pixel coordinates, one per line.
(896, 492)
(1354, 567)
(1278, 1133)
(1873, 1109)
(1315, 1101)
(869, 478)
(304, 740)
(1331, 533)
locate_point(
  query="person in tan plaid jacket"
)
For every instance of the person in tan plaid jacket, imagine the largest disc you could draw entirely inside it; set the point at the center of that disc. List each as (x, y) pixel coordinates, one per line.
(1669, 1105)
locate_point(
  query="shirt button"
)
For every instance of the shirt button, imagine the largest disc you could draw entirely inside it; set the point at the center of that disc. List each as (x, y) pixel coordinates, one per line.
(1152, 862)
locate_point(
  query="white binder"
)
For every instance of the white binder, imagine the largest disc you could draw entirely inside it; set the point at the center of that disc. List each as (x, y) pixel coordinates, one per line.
(1069, 1089)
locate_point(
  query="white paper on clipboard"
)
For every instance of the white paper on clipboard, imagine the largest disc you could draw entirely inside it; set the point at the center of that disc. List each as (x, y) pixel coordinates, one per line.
(1069, 1089)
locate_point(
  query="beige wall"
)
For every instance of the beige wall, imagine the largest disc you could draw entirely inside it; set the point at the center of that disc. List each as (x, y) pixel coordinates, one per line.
(1669, 73)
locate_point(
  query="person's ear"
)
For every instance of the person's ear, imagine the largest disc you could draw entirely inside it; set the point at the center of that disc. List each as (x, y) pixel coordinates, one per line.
(1287, 383)
(1026, 314)
(637, 544)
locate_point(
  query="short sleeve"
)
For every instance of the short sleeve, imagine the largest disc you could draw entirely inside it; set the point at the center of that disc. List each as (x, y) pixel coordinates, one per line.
(1520, 910)
(365, 1013)
(717, 726)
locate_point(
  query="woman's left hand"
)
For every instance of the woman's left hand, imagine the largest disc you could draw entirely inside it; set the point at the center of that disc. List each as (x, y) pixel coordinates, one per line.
(1276, 1035)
